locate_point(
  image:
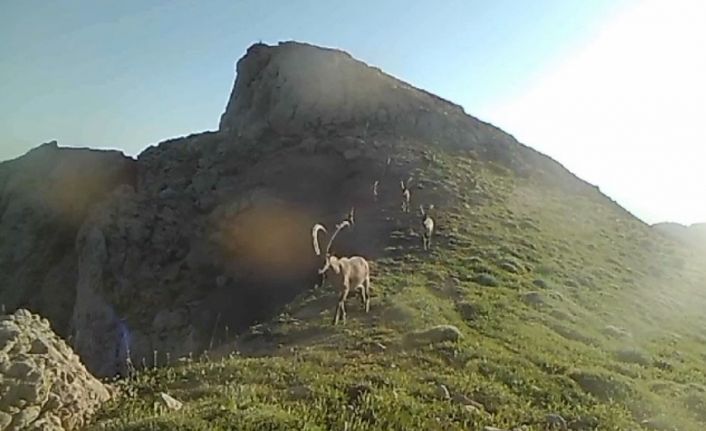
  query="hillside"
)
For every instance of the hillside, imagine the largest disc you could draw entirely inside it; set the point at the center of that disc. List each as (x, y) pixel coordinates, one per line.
(567, 307)
(573, 314)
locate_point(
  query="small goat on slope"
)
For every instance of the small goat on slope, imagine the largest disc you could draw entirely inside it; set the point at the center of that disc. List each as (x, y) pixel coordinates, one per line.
(406, 195)
(345, 273)
(428, 227)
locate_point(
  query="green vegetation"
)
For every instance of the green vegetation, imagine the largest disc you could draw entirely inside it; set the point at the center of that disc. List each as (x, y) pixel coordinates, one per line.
(567, 306)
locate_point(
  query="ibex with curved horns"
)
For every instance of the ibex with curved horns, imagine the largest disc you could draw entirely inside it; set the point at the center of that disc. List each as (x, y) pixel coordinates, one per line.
(350, 218)
(346, 273)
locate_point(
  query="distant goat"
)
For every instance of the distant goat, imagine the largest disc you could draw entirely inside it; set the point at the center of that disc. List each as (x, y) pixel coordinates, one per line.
(345, 273)
(427, 226)
(406, 194)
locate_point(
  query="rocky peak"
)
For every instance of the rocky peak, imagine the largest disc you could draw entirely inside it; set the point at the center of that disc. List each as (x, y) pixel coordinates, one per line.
(295, 87)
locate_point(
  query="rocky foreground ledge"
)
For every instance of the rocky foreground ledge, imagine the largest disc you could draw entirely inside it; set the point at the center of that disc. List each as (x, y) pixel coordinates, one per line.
(43, 384)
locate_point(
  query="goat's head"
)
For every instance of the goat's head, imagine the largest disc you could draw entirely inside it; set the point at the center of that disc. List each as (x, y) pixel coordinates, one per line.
(424, 214)
(404, 185)
(330, 260)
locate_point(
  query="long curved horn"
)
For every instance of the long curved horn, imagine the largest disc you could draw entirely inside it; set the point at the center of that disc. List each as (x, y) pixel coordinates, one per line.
(315, 237)
(351, 216)
(421, 210)
(339, 227)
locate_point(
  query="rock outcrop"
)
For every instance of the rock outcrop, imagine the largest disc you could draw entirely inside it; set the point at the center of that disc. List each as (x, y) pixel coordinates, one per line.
(45, 197)
(43, 385)
(297, 89)
(205, 235)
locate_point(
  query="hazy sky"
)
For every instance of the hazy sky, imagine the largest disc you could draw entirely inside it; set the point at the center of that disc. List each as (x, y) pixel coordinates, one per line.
(613, 89)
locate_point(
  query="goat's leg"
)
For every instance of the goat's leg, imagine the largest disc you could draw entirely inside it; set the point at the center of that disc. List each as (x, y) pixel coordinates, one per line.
(343, 303)
(338, 311)
(322, 280)
(341, 307)
(363, 294)
(366, 289)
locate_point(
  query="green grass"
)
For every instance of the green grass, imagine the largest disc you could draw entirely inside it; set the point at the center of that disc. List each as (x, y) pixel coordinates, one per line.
(566, 305)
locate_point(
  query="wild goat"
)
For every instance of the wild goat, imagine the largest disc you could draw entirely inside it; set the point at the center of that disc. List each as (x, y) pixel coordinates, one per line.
(350, 218)
(428, 227)
(406, 194)
(346, 273)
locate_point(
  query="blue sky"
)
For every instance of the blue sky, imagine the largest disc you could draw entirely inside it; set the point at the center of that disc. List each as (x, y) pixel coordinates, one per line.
(132, 73)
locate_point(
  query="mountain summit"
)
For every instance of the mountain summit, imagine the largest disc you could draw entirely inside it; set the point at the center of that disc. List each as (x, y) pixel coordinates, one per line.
(293, 87)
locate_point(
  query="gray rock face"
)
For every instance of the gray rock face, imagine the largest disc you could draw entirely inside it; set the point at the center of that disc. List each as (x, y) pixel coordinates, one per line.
(294, 88)
(228, 244)
(43, 385)
(44, 198)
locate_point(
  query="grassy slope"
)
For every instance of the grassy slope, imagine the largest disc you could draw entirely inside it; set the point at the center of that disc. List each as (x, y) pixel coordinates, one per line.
(589, 316)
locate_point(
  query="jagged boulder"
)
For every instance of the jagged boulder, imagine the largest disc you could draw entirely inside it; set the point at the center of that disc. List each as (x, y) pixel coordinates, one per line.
(43, 385)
